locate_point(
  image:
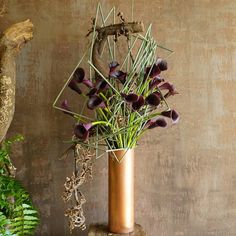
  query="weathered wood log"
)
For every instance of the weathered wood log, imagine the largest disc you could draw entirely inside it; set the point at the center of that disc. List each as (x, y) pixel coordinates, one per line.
(101, 230)
(125, 29)
(11, 41)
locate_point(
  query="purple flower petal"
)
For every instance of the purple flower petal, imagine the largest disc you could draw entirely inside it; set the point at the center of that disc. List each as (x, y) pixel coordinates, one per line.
(153, 99)
(132, 97)
(161, 64)
(156, 69)
(81, 132)
(167, 86)
(170, 87)
(138, 104)
(172, 114)
(79, 75)
(101, 85)
(120, 75)
(88, 83)
(151, 124)
(160, 122)
(73, 84)
(155, 82)
(113, 65)
(88, 126)
(95, 102)
(65, 106)
(153, 71)
(93, 91)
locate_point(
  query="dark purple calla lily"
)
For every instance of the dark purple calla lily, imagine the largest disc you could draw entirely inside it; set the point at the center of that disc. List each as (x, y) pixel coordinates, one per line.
(155, 82)
(153, 99)
(160, 122)
(136, 101)
(157, 68)
(95, 102)
(65, 106)
(81, 131)
(100, 86)
(132, 97)
(170, 87)
(88, 83)
(138, 104)
(79, 77)
(113, 65)
(172, 114)
(161, 64)
(74, 85)
(120, 75)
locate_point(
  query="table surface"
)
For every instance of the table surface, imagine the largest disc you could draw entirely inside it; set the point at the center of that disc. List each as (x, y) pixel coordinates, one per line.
(101, 230)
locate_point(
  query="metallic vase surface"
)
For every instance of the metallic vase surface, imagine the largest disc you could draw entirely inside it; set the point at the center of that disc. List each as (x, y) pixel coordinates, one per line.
(121, 191)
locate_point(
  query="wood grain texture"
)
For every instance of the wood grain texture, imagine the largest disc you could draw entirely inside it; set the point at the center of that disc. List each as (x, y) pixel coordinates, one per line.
(11, 41)
(101, 230)
(185, 176)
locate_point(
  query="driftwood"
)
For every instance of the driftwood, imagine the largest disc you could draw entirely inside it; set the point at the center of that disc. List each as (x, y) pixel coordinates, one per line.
(101, 230)
(11, 42)
(125, 29)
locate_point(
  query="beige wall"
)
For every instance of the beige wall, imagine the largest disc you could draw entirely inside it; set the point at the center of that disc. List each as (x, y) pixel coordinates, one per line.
(186, 175)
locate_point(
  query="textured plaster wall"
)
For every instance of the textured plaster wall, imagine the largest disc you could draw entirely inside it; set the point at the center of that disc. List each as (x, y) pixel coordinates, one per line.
(186, 175)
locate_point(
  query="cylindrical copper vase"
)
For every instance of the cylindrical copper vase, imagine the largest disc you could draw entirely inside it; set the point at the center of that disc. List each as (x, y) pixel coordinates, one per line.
(121, 190)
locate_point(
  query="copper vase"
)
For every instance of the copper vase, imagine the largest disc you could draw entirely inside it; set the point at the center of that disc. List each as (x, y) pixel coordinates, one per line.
(121, 190)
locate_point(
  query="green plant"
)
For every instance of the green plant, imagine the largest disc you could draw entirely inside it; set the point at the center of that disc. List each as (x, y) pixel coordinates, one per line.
(17, 214)
(5, 161)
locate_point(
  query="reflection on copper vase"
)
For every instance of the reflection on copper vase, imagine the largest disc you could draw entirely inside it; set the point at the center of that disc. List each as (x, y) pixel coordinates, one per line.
(121, 190)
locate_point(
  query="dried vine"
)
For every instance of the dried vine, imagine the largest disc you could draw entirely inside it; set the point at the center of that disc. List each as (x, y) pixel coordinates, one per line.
(83, 172)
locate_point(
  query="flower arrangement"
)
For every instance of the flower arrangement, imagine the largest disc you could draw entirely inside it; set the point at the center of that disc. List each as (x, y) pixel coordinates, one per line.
(125, 98)
(126, 103)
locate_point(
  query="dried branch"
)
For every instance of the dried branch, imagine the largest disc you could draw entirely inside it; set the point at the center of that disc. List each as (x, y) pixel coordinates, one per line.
(124, 28)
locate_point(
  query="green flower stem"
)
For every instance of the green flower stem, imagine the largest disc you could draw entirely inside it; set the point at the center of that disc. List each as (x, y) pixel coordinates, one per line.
(112, 126)
(103, 96)
(101, 123)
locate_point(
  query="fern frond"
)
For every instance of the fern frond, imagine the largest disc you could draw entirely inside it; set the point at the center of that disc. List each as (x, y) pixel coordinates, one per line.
(4, 224)
(25, 219)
